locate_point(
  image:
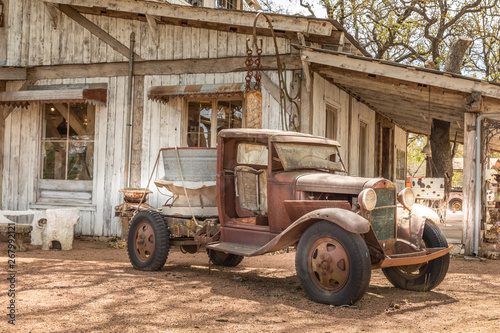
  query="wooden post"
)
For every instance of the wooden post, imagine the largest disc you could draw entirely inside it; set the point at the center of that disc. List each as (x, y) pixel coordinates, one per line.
(306, 108)
(469, 182)
(138, 112)
(2, 135)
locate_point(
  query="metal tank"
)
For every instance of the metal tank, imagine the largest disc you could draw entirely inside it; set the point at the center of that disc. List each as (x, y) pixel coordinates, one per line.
(190, 171)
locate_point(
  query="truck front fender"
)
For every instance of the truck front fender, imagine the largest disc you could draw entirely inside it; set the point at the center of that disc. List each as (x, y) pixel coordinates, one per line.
(411, 224)
(346, 219)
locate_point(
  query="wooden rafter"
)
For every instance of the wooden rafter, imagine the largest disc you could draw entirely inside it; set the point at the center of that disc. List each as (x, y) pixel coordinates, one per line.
(157, 67)
(54, 14)
(97, 31)
(12, 74)
(153, 27)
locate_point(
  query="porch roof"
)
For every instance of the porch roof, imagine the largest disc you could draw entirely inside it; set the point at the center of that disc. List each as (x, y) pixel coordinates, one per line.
(24, 97)
(409, 96)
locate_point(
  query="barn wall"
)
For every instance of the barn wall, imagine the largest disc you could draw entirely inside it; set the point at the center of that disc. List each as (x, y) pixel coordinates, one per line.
(33, 41)
(162, 127)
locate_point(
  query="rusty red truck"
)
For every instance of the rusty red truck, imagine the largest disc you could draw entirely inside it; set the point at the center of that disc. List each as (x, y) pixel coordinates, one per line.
(261, 191)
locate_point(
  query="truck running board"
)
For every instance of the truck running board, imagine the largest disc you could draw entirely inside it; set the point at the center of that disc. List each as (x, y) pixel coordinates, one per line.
(234, 248)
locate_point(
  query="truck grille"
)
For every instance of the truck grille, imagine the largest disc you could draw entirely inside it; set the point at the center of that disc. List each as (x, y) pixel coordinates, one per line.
(383, 217)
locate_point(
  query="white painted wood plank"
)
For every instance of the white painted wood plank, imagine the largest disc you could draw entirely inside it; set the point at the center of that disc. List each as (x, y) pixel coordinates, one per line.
(103, 48)
(204, 43)
(87, 44)
(7, 178)
(186, 41)
(178, 42)
(25, 31)
(55, 35)
(221, 44)
(212, 44)
(100, 162)
(15, 22)
(195, 43)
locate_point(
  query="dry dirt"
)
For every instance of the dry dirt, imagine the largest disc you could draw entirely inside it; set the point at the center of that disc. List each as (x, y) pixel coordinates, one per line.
(94, 289)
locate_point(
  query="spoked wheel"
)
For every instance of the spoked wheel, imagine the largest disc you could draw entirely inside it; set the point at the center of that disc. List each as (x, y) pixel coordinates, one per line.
(333, 265)
(148, 241)
(426, 276)
(224, 259)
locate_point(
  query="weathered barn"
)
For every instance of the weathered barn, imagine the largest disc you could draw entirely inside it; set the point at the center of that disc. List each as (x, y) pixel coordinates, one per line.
(64, 95)
(65, 75)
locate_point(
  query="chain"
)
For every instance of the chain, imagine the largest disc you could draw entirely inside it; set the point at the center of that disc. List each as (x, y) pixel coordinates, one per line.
(258, 64)
(248, 63)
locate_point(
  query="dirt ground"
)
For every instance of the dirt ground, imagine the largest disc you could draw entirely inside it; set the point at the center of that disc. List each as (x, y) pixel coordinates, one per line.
(93, 288)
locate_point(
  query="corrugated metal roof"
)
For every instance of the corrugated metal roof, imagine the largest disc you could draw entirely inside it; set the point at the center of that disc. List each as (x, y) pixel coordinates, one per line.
(23, 98)
(163, 93)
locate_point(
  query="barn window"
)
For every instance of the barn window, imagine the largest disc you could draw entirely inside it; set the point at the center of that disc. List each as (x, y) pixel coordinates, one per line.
(331, 122)
(205, 118)
(400, 164)
(363, 149)
(67, 143)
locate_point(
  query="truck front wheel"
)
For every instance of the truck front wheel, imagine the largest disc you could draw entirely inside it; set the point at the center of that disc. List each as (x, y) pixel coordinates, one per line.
(426, 276)
(148, 241)
(333, 265)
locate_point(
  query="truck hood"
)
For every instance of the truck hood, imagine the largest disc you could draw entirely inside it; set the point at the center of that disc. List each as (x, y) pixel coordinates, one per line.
(324, 182)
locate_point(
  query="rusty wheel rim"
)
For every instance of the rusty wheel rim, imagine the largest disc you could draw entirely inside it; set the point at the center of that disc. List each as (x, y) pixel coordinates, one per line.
(144, 241)
(456, 205)
(328, 265)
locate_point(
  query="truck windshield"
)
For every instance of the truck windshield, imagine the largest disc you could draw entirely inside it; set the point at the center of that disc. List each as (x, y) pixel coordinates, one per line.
(296, 156)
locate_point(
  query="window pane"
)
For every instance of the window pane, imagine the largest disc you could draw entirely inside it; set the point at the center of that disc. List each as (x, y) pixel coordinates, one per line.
(53, 160)
(331, 122)
(199, 124)
(80, 161)
(81, 121)
(229, 114)
(363, 149)
(55, 126)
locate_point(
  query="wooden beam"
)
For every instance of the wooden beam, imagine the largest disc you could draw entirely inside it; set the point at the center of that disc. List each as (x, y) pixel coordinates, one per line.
(270, 87)
(137, 121)
(12, 74)
(153, 27)
(159, 67)
(54, 14)
(8, 109)
(404, 74)
(469, 183)
(216, 16)
(97, 31)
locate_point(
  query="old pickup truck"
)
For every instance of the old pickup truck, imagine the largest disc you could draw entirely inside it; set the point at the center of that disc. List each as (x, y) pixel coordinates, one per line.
(261, 191)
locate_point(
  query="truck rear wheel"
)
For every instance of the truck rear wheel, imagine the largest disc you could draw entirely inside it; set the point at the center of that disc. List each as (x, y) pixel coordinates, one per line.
(148, 241)
(224, 259)
(426, 276)
(333, 265)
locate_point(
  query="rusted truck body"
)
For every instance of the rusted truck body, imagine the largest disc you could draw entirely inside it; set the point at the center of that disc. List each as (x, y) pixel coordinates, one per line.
(274, 190)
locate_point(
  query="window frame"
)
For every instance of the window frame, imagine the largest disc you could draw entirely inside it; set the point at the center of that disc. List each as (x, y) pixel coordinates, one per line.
(213, 129)
(331, 109)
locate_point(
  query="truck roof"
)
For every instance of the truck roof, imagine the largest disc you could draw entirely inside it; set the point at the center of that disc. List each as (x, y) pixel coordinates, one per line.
(276, 136)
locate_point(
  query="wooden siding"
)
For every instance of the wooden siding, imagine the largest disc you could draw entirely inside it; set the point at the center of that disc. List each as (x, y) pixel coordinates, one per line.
(33, 41)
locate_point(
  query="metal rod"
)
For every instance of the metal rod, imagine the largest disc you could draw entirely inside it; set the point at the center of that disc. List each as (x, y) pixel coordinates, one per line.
(477, 194)
(128, 129)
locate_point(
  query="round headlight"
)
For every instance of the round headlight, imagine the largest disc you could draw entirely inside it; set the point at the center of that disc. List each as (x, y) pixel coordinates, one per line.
(406, 197)
(367, 199)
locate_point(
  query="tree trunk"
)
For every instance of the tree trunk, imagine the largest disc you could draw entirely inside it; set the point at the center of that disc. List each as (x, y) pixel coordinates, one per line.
(456, 55)
(442, 165)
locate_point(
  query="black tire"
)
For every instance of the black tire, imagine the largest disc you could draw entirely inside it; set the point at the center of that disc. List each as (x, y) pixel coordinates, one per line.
(148, 241)
(224, 259)
(422, 277)
(327, 249)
